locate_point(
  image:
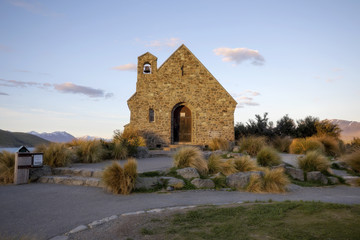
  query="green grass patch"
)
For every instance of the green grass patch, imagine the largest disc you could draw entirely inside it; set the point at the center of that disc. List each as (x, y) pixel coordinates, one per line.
(280, 220)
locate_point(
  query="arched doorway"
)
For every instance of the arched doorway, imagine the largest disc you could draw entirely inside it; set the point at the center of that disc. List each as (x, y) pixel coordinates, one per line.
(181, 124)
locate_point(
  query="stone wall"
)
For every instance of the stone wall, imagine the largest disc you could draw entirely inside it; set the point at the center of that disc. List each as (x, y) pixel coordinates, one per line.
(181, 79)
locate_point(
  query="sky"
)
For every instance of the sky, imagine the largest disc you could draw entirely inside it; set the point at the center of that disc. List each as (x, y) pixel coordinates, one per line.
(70, 65)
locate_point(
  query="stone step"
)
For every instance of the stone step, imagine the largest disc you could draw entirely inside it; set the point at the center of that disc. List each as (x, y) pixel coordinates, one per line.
(72, 180)
(81, 172)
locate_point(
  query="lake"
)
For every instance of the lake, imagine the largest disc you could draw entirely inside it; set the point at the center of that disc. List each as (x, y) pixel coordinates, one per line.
(13, 150)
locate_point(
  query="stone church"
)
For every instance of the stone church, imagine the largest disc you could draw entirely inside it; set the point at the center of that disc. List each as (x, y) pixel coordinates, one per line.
(180, 102)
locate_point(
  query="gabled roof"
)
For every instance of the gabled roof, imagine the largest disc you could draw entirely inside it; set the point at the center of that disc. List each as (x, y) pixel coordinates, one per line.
(148, 53)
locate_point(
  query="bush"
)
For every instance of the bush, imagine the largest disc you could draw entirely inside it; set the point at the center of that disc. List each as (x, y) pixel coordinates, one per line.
(90, 151)
(244, 164)
(7, 162)
(131, 138)
(219, 144)
(119, 180)
(331, 145)
(256, 184)
(119, 151)
(252, 145)
(268, 156)
(55, 154)
(228, 168)
(275, 180)
(314, 161)
(282, 144)
(303, 145)
(353, 160)
(214, 163)
(190, 157)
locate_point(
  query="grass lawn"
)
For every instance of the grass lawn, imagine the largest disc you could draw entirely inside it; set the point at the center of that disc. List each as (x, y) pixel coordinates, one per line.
(279, 220)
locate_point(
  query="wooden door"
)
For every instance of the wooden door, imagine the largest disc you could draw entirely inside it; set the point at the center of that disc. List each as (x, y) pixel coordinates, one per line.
(182, 124)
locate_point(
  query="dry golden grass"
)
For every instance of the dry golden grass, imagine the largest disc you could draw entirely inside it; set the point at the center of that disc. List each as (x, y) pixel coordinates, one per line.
(268, 156)
(90, 151)
(228, 168)
(353, 160)
(120, 151)
(331, 145)
(190, 157)
(275, 181)
(56, 154)
(214, 163)
(303, 145)
(314, 161)
(282, 144)
(7, 162)
(256, 184)
(252, 144)
(130, 174)
(219, 144)
(245, 164)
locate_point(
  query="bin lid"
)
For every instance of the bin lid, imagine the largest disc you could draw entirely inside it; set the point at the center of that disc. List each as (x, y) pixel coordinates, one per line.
(23, 149)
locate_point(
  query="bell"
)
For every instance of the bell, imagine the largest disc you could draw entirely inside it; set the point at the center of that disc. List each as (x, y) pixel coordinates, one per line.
(147, 69)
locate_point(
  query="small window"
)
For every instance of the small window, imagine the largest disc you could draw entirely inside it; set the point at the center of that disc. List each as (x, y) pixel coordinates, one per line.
(147, 68)
(151, 115)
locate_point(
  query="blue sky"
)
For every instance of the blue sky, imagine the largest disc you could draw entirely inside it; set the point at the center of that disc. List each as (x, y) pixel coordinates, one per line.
(68, 65)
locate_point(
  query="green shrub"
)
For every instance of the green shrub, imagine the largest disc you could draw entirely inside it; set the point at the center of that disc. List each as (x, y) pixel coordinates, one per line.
(275, 181)
(331, 145)
(119, 180)
(282, 144)
(55, 154)
(244, 164)
(268, 156)
(252, 144)
(190, 157)
(313, 161)
(90, 151)
(353, 160)
(7, 162)
(214, 163)
(219, 144)
(303, 145)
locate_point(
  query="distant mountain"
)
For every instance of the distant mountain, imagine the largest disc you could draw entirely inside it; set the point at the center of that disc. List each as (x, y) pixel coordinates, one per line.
(349, 129)
(17, 139)
(54, 136)
(90, 138)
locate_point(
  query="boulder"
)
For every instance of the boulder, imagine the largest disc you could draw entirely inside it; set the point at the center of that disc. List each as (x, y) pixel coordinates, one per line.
(316, 176)
(207, 154)
(352, 180)
(295, 173)
(333, 180)
(188, 173)
(241, 179)
(36, 173)
(236, 149)
(146, 182)
(173, 182)
(203, 183)
(340, 165)
(142, 152)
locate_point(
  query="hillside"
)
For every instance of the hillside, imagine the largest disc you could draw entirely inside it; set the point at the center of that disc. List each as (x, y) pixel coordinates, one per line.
(55, 136)
(17, 139)
(349, 129)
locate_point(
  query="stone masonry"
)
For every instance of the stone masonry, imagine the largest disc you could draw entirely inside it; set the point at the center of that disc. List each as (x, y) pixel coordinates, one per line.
(182, 80)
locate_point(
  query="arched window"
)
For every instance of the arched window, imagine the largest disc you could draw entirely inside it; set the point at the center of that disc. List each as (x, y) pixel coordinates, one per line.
(151, 115)
(147, 68)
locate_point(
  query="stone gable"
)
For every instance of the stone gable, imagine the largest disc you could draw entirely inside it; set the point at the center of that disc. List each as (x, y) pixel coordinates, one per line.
(181, 101)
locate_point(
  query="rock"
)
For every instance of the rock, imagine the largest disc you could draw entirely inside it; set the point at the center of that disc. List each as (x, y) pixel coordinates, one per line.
(316, 176)
(282, 165)
(241, 179)
(295, 173)
(234, 155)
(146, 182)
(188, 173)
(207, 154)
(142, 152)
(339, 165)
(203, 183)
(292, 187)
(352, 180)
(36, 173)
(236, 149)
(217, 175)
(333, 180)
(173, 182)
(169, 188)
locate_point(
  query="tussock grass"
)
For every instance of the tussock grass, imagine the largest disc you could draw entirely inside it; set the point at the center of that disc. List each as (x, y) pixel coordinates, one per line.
(228, 168)
(256, 184)
(55, 154)
(331, 145)
(190, 157)
(214, 163)
(303, 145)
(245, 164)
(275, 180)
(120, 180)
(7, 162)
(251, 145)
(90, 151)
(120, 151)
(282, 144)
(268, 156)
(353, 160)
(219, 144)
(314, 161)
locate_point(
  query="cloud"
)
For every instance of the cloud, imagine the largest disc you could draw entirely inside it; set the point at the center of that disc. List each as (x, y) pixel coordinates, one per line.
(246, 98)
(239, 55)
(4, 94)
(33, 7)
(126, 67)
(67, 87)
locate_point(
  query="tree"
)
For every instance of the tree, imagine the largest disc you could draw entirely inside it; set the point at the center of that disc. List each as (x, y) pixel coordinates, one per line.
(306, 127)
(327, 128)
(285, 127)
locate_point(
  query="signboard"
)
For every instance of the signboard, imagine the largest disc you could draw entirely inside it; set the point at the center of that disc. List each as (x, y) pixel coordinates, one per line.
(37, 160)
